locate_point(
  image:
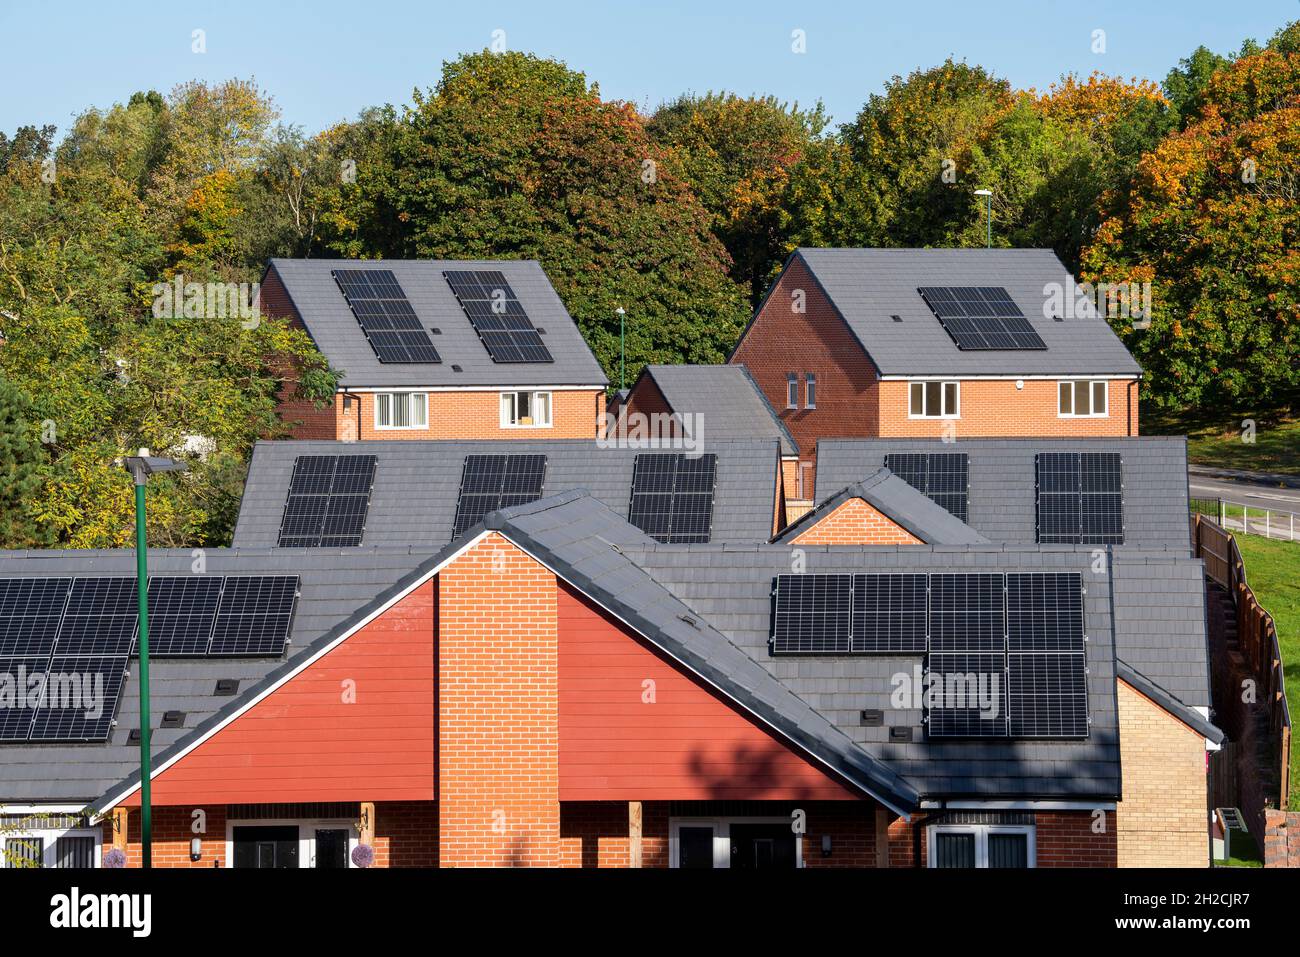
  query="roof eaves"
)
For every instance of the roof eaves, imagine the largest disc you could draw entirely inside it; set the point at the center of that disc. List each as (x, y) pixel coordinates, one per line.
(1183, 712)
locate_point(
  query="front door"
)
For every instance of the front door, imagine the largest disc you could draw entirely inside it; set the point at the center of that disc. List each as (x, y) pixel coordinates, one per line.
(331, 847)
(695, 846)
(266, 846)
(759, 846)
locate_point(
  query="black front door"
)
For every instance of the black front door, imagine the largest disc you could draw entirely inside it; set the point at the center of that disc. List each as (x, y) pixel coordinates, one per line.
(331, 847)
(266, 846)
(695, 847)
(762, 845)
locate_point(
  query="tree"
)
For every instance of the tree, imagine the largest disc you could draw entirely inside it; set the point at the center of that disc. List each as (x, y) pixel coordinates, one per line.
(21, 459)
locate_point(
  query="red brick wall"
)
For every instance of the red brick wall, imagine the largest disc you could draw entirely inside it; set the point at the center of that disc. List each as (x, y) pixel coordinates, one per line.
(1066, 839)
(356, 725)
(855, 522)
(306, 421)
(633, 726)
(498, 747)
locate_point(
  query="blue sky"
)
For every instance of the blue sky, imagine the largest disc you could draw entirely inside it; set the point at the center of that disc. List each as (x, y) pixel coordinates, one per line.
(324, 61)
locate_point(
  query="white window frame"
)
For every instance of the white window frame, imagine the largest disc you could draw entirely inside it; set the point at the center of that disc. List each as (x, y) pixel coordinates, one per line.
(722, 837)
(307, 828)
(1091, 385)
(414, 400)
(981, 832)
(943, 398)
(810, 390)
(50, 836)
(792, 390)
(509, 408)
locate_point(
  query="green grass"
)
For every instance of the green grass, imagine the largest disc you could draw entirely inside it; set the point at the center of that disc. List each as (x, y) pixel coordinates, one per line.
(1217, 440)
(1245, 853)
(1273, 571)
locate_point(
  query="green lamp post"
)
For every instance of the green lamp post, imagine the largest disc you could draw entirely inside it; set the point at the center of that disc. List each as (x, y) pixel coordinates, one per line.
(141, 467)
(988, 194)
(622, 379)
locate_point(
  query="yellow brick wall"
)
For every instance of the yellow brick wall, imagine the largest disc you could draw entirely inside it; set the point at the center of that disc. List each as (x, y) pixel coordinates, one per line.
(1163, 820)
(477, 415)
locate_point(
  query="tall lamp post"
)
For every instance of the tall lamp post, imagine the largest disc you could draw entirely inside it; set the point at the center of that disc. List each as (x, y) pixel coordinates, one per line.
(622, 379)
(141, 467)
(989, 214)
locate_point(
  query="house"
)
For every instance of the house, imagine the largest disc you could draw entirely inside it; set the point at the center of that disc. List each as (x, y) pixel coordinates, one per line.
(932, 343)
(640, 673)
(437, 349)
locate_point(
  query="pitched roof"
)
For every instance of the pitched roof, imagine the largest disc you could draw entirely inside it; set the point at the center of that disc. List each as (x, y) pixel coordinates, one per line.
(869, 286)
(417, 484)
(726, 397)
(334, 328)
(898, 501)
(1002, 477)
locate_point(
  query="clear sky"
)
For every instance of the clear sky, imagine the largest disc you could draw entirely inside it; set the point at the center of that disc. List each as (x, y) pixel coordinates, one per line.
(324, 61)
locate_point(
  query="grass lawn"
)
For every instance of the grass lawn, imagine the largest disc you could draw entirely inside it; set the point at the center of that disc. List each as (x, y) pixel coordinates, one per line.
(1217, 440)
(1273, 571)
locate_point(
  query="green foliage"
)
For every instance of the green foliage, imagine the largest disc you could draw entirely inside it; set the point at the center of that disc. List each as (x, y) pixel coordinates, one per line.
(21, 459)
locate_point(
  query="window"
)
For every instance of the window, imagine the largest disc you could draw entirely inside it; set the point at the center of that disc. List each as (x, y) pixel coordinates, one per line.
(746, 843)
(290, 844)
(981, 845)
(53, 844)
(810, 390)
(525, 410)
(791, 391)
(934, 400)
(1083, 399)
(401, 410)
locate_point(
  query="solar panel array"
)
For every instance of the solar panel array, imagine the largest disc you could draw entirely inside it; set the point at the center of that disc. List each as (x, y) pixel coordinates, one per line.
(328, 500)
(490, 482)
(940, 476)
(672, 496)
(1006, 652)
(1080, 498)
(981, 317)
(66, 643)
(497, 315)
(385, 315)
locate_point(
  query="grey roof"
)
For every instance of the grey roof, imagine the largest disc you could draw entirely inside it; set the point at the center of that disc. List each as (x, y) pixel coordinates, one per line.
(726, 397)
(894, 498)
(1189, 715)
(868, 286)
(417, 484)
(325, 312)
(332, 588)
(1001, 474)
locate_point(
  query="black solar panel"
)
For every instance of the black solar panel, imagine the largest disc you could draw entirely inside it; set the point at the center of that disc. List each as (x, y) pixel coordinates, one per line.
(672, 496)
(1045, 612)
(1048, 695)
(941, 476)
(889, 613)
(981, 317)
(328, 500)
(386, 317)
(79, 700)
(99, 619)
(966, 695)
(254, 615)
(812, 614)
(967, 612)
(30, 611)
(16, 717)
(497, 315)
(182, 610)
(490, 482)
(1080, 498)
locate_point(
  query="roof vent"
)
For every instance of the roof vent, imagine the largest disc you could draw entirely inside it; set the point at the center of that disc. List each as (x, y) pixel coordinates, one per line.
(226, 687)
(1058, 318)
(541, 331)
(690, 621)
(897, 318)
(173, 719)
(900, 733)
(871, 718)
(436, 332)
(133, 737)
(457, 369)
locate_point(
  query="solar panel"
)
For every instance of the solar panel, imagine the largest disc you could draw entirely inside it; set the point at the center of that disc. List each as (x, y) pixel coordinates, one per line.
(1080, 498)
(490, 482)
(328, 500)
(79, 699)
(254, 615)
(99, 619)
(1048, 695)
(182, 610)
(967, 612)
(390, 324)
(672, 496)
(966, 695)
(812, 614)
(889, 613)
(981, 317)
(30, 611)
(1045, 612)
(941, 476)
(16, 717)
(497, 315)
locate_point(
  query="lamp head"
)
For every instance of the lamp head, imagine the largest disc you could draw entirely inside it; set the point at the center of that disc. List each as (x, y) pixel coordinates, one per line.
(143, 465)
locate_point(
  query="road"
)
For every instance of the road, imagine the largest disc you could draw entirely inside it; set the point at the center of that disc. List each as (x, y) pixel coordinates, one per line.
(1279, 500)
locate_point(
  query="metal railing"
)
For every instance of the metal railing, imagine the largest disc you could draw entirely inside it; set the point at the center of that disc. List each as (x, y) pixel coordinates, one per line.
(1250, 519)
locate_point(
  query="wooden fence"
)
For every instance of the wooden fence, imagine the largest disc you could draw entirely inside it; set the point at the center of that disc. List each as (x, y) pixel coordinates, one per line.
(1257, 641)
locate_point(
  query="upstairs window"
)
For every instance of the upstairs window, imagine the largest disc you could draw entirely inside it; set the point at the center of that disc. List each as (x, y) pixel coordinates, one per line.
(525, 410)
(1083, 399)
(792, 390)
(810, 390)
(934, 400)
(401, 410)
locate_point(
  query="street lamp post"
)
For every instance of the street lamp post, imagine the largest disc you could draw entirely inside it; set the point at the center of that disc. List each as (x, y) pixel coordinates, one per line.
(141, 467)
(989, 216)
(622, 378)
